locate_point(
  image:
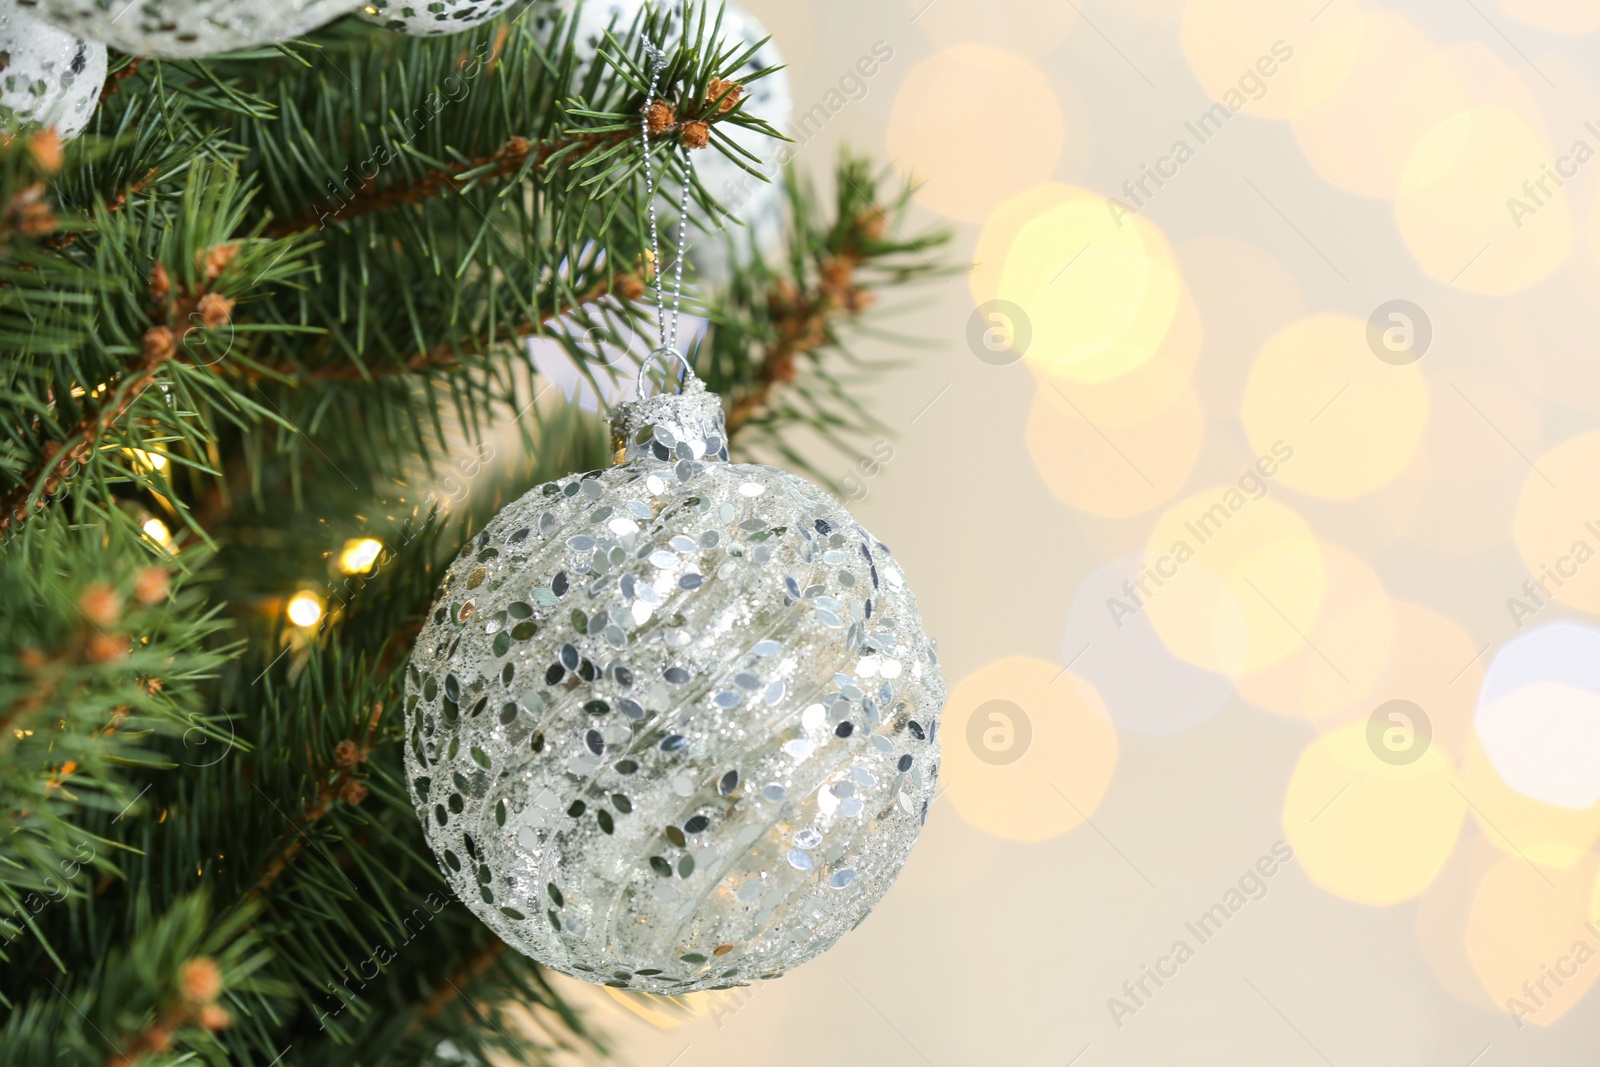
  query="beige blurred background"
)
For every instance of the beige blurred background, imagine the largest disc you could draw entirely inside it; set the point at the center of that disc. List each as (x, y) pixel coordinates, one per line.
(1265, 576)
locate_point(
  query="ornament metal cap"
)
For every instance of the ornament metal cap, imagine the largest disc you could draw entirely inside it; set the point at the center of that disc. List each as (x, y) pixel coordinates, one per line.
(669, 427)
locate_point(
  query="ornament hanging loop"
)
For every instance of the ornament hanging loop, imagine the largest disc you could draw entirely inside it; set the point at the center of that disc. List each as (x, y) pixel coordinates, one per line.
(667, 354)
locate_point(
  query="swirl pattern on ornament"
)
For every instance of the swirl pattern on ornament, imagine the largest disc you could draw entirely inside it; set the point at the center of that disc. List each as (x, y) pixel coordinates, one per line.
(673, 725)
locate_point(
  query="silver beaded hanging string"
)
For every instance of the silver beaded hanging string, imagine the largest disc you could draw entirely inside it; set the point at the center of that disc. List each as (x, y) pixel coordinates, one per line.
(668, 329)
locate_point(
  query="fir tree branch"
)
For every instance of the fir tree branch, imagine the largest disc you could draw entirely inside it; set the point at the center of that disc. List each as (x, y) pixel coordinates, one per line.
(624, 286)
(348, 756)
(518, 156)
(475, 967)
(804, 317)
(62, 458)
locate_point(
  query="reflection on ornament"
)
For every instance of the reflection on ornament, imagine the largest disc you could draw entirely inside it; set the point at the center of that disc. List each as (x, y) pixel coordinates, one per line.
(673, 725)
(433, 17)
(175, 28)
(50, 76)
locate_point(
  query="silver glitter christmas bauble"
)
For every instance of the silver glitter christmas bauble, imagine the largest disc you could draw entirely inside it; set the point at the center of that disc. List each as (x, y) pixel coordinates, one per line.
(176, 28)
(48, 76)
(673, 725)
(432, 18)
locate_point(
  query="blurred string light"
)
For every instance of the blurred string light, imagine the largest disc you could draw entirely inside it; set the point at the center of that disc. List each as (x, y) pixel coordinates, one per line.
(1031, 27)
(1029, 749)
(1523, 935)
(1465, 481)
(1518, 825)
(1437, 666)
(1144, 687)
(157, 531)
(1100, 288)
(1392, 86)
(1557, 531)
(1147, 390)
(305, 609)
(1235, 579)
(1354, 421)
(1367, 830)
(1538, 715)
(1452, 204)
(359, 555)
(1116, 471)
(1225, 42)
(1336, 672)
(975, 125)
(146, 462)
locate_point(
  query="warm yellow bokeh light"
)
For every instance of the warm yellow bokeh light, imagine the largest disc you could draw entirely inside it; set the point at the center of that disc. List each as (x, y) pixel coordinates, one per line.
(146, 462)
(1548, 835)
(1028, 27)
(1438, 667)
(1557, 527)
(1346, 654)
(1099, 286)
(1003, 225)
(1250, 55)
(1117, 471)
(1366, 830)
(1472, 458)
(1471, 208)
(1136, 397)
(1398, 88)
(359, 554)
(1441, 921)
(1482, 423)
(1241, 578)
(1557, 16)
(1028, 749)
(1245, 295)
(1529, 937)
(1353, 420)
(157, 531)
(1151, 12)
(974, 126)
(305, 608)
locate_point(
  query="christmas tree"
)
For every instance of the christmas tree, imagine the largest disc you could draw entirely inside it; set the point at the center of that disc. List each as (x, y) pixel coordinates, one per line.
(265, 324)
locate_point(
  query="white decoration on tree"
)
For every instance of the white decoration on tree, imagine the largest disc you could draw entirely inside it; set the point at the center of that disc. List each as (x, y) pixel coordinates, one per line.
(433, 18)
(178, 28)
(49, 76)
(673, 725)
(758, 204)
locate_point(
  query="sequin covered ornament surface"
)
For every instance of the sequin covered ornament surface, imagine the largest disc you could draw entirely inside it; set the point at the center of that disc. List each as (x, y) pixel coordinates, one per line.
(673, 725)
(47, 75)
(177, 28)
